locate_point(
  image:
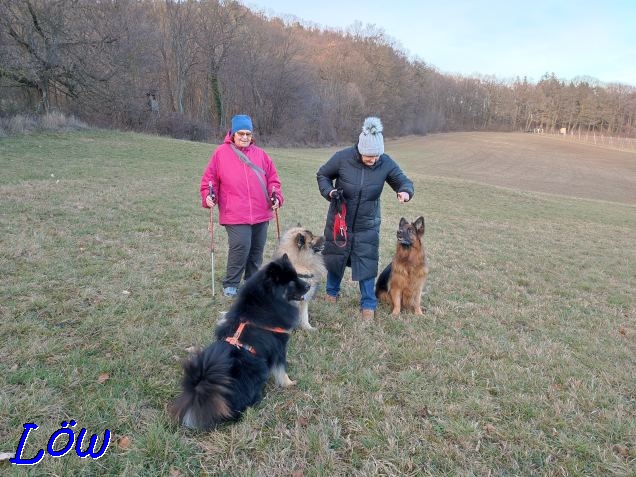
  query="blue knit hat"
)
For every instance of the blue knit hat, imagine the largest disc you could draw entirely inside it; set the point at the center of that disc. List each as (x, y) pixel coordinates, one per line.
(241, 122)
(371, 141)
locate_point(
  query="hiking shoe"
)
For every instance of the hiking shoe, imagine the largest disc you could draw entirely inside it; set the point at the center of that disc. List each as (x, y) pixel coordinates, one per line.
(367, 314)
(229, 291)
(331, 299)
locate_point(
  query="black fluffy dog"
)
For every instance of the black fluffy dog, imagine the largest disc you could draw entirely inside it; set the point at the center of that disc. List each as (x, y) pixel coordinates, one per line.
(228, 376)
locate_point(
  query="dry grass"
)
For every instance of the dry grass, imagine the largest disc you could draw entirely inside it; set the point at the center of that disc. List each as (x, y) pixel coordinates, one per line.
(21, 124)
(524, 363)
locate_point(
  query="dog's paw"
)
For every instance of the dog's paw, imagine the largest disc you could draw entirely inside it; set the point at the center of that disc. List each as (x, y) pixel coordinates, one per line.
(221, 319)
(306, 326)
(286, 382)
(193, 350)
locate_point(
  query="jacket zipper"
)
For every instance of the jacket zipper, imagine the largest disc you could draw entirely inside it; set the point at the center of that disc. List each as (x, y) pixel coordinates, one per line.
(355, 215)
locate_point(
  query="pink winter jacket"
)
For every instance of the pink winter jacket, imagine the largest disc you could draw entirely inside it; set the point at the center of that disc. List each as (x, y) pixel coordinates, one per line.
(238, 191)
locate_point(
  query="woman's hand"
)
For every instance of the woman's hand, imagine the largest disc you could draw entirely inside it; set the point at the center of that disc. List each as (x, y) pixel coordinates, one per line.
(403, 197)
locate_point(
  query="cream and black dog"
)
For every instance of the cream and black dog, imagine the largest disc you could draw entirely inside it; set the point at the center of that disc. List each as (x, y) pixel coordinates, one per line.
(304, 250)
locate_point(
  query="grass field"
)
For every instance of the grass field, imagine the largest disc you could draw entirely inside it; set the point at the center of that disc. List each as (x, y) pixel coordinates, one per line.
(524, 363)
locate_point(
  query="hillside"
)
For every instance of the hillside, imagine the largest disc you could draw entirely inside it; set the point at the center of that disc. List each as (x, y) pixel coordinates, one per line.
(528, 162)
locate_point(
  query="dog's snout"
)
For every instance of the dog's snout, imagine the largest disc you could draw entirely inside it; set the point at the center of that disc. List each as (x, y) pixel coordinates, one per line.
(404, 237)
(306, 286)
(318, 244)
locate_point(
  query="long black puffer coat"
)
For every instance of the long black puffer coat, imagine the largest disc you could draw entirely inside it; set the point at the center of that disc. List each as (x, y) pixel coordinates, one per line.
(362, 186)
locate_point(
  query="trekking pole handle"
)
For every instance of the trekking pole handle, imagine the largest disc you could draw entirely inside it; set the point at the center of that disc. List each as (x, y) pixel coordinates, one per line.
(211, 191)
(274, 197)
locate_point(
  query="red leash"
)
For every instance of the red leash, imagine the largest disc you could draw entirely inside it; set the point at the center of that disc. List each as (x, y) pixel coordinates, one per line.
(340, 226)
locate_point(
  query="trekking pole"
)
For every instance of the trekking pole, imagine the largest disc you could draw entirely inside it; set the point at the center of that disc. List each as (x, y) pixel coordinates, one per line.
(273, 199)
(211, 229)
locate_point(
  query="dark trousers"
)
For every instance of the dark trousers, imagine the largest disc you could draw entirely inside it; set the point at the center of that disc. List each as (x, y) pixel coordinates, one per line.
(246, 245)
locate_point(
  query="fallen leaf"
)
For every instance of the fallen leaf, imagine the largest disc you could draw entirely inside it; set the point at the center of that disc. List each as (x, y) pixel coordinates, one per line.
(489, 428)
(303, 421)
(621, 450)
(622, 331)
(174, 472)
(124, 442)
(103, 378)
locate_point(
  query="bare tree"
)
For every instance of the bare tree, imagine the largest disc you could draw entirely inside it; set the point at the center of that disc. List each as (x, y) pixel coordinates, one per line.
(53, 49)
(218, 26)
(178, 47)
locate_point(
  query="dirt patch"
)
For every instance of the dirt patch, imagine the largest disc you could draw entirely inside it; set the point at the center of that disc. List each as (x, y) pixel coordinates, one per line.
(523, 161)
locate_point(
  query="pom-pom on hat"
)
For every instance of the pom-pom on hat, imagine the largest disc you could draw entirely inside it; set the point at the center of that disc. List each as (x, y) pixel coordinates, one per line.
(371, 141)
(241, 122)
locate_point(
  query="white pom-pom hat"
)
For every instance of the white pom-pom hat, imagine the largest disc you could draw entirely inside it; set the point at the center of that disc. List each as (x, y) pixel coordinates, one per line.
(371, 141)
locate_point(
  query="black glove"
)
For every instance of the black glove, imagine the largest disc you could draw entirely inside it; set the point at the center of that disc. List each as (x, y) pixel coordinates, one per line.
(211, 193)
(336, 194)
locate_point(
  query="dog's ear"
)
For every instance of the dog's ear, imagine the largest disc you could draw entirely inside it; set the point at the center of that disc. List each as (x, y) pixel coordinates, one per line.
(419, 225)
(285, 261)
(300, 240)
(403, 222)
(276, 268)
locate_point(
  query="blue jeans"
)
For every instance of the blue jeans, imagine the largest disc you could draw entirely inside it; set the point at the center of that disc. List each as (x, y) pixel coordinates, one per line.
(368, 301)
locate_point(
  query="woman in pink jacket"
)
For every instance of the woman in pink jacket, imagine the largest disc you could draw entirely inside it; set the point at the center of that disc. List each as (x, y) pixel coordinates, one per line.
(246, 187)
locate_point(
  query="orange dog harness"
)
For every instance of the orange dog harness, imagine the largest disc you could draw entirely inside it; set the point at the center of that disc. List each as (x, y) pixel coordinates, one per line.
(234, 340)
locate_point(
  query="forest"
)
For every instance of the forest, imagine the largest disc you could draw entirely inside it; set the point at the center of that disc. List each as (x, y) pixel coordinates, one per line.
(184, 68)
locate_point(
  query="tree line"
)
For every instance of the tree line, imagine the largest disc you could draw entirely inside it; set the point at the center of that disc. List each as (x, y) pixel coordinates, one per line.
(184, 68)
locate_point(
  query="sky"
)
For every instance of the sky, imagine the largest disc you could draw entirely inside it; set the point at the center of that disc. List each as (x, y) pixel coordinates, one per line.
(505, 39)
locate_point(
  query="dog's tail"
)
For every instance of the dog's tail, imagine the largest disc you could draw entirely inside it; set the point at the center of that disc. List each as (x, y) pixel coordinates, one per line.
(382, 283)
(203, 402)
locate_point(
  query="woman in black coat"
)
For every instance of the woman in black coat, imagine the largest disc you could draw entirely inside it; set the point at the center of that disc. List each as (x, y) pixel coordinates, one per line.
(352, 180)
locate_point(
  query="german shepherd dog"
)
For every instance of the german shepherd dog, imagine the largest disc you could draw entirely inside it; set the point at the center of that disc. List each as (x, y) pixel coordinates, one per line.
(401, 283)
(304, 250)
(229, 375)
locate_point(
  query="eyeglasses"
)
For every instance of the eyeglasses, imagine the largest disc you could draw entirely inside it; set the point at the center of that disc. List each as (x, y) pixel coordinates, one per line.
(243, 133)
